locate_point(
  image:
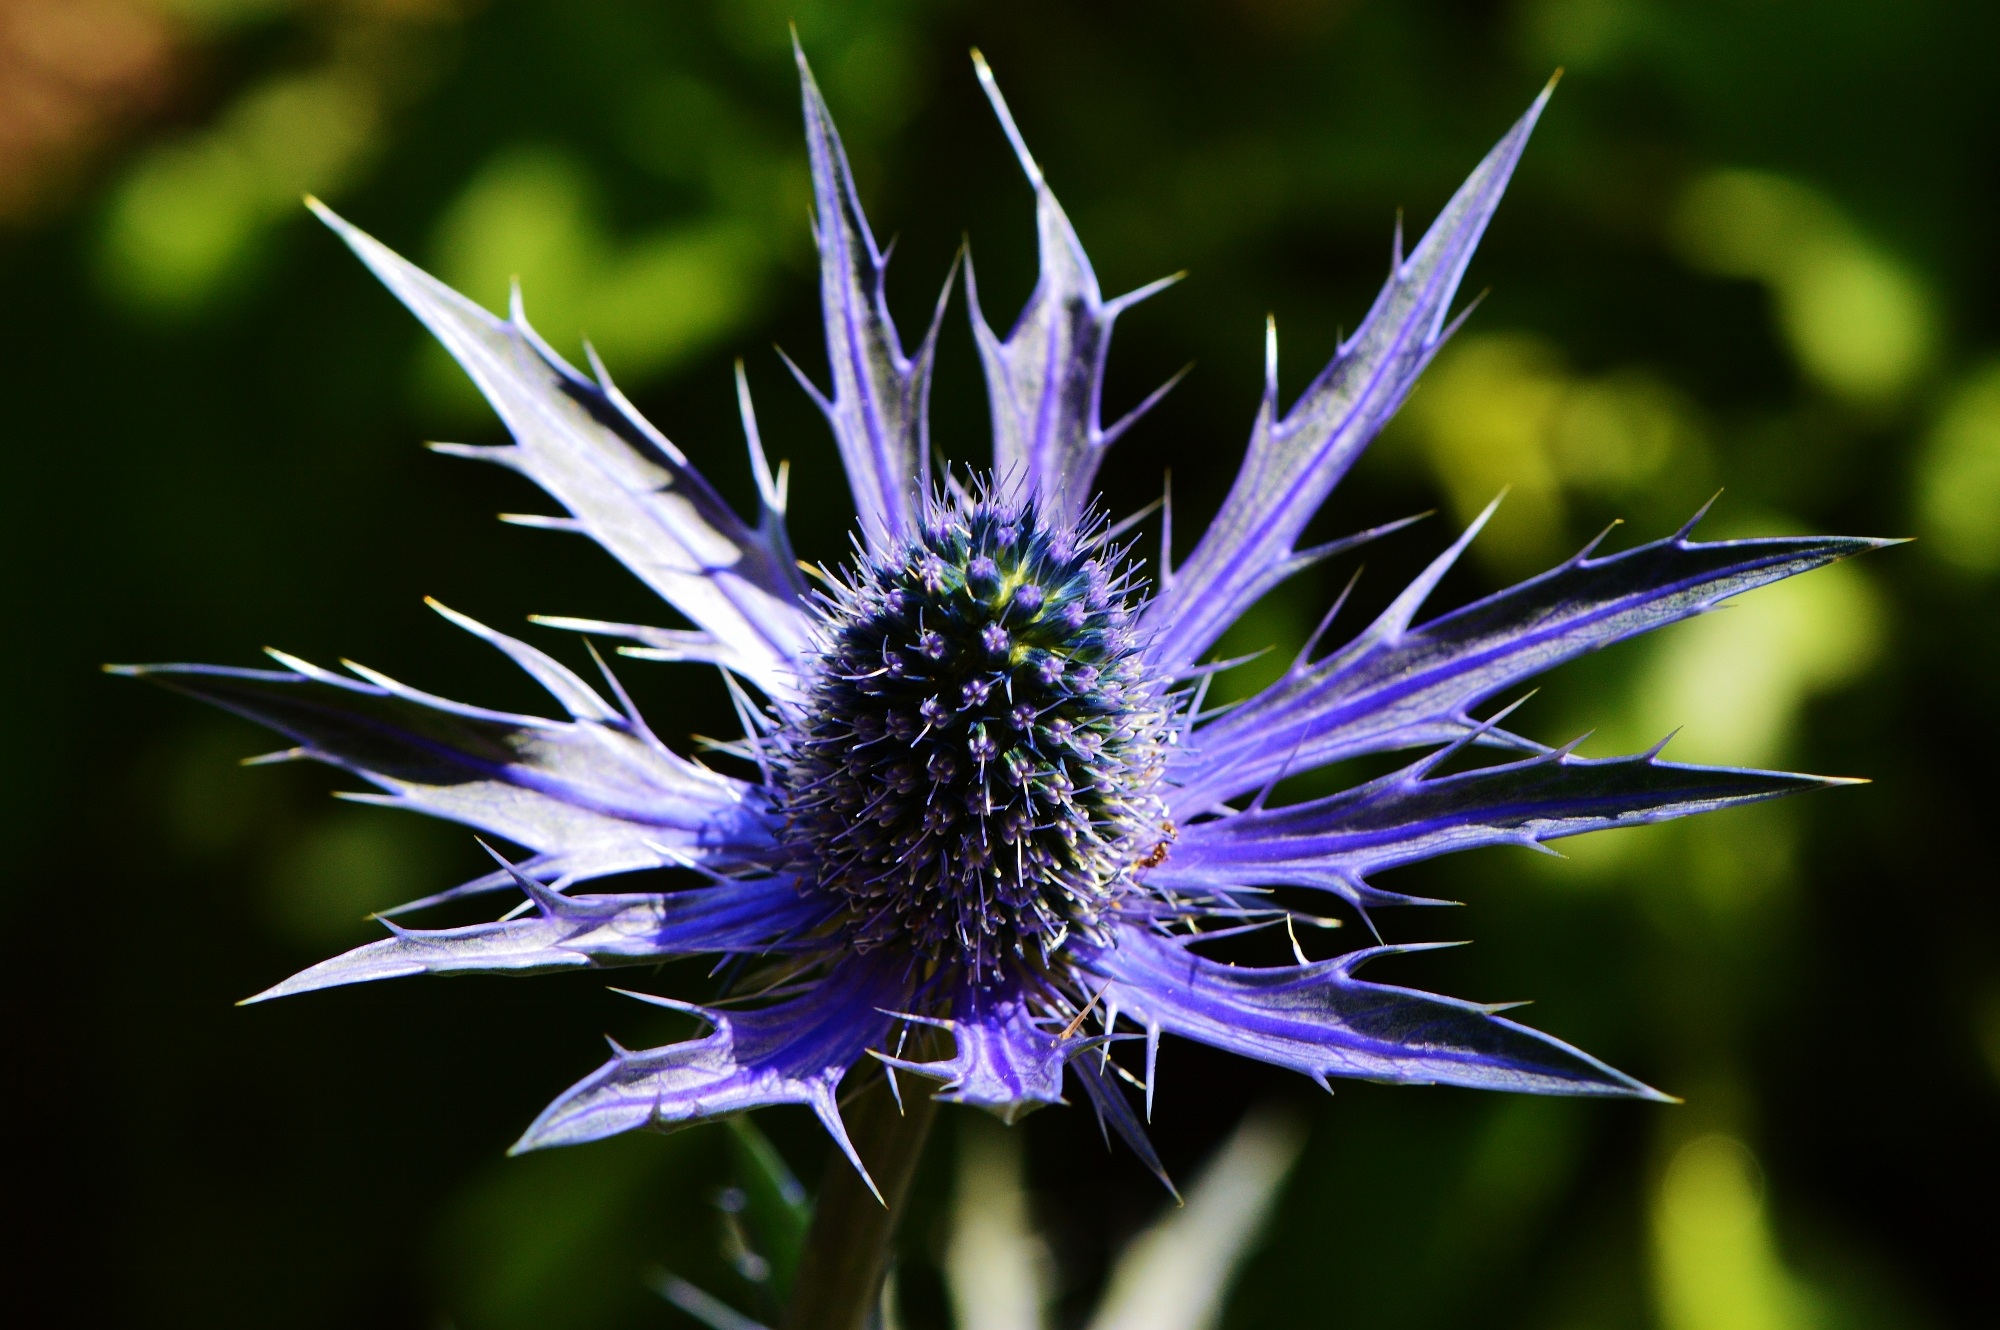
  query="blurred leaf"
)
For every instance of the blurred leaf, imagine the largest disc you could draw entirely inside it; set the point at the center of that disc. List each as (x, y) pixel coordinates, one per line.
(1175, 1275)
(996, 1268)
(776, 1206)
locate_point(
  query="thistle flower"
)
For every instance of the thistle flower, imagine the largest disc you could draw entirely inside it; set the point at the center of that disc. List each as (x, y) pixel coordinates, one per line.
(987, 798)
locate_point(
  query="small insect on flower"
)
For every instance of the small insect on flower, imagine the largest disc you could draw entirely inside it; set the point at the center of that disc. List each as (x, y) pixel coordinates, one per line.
(986, 796)
(1156, 856)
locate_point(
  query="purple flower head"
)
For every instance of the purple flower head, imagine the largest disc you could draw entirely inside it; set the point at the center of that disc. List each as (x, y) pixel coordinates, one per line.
(986, 798)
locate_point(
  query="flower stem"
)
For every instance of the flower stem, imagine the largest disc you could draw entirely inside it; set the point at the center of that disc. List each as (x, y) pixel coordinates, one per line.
(846, 1256)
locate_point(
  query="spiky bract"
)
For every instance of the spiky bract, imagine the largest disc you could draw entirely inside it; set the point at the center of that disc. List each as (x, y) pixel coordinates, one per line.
(968, 747)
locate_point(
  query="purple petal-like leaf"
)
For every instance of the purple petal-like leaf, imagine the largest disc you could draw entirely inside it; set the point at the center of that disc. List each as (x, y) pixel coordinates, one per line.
(881, 397)
(666, 644)
(1292, 464)
(1008, 1060)
(1395, 686)
(1336, 842)
(795, 1052)
(593, 795)
(624, 483)
(1320, 1020)
(584, 932)
(1114, 1113)
(1045, 382)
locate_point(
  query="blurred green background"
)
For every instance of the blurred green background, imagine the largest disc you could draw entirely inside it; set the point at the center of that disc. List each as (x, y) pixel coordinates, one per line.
(1751, 248)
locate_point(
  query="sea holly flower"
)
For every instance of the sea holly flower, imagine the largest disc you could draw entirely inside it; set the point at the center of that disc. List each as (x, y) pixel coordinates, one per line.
(981, 801)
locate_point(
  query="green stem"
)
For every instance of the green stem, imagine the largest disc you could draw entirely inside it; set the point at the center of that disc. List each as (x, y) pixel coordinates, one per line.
(846, 1256)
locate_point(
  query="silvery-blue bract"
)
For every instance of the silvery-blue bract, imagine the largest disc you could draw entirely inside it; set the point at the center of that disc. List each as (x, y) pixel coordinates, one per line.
(987, 798)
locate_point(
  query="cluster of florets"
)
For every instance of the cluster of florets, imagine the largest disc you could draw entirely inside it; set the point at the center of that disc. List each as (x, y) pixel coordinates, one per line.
(975, 765)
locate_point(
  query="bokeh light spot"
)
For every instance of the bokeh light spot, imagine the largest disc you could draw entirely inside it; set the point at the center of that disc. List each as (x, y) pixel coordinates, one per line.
(1716, 1265)
(1958, 476)
(1859, 320)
